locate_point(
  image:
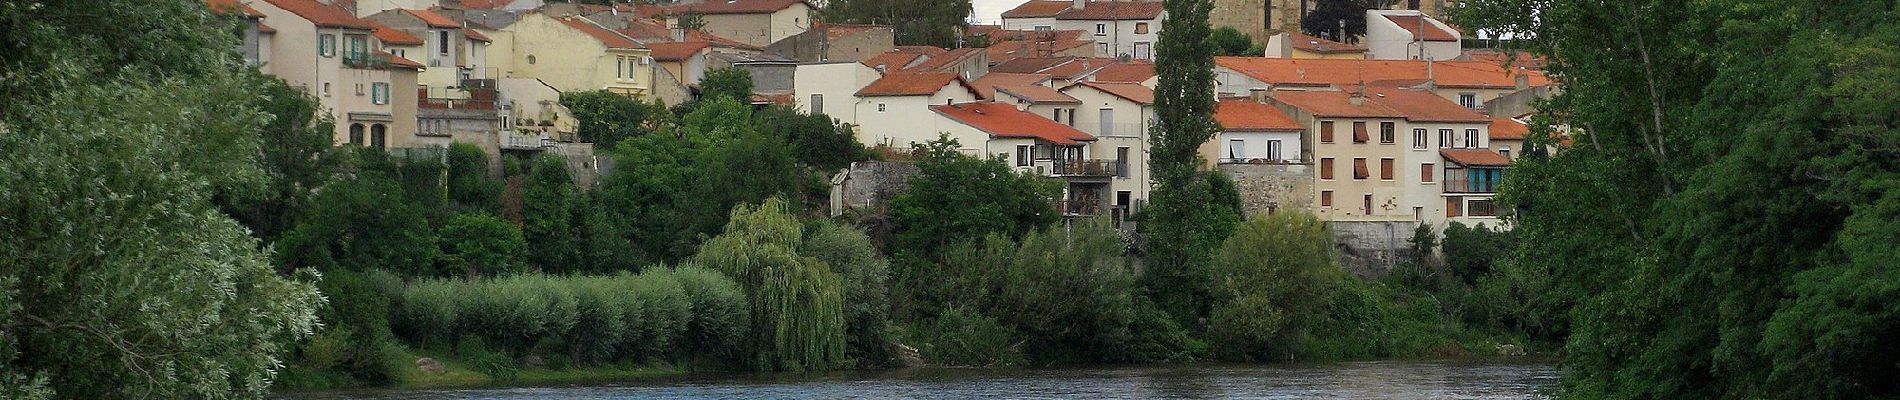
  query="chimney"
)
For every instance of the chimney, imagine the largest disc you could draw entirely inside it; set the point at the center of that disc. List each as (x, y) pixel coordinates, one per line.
(1259, 95)
(679, 33)
(1523, 80)
(1080, 4)
(1358, 97)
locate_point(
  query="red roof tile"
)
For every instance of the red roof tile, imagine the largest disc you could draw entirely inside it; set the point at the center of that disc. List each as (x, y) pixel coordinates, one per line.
(1129, 91)
(1509, 129)
(1475, 157)
(399, 62)
(1005, 121)
(606, 37)
(1031, 35)
(986, 85)
(834, 32)
(932, 51)
(733, 7)
(1422, 106)
(1326, 103)
(676, 51)
(1038, 9)
(434, 20)
(476, 35)
(911, 84)
(1432, 32)
(1343, 73)
(1246, 115)
(1321, 45)
(1079, 66)
(1028, 65)
(1115, 10)
(1126, 73)
(485, 4)
(947, 61)
(1013, 49)
(1515, 59)
(323, 15)
(393, 36)
(892, 61)
(1037, 94)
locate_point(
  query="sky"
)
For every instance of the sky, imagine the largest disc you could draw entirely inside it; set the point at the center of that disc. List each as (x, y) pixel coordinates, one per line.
(991, 11)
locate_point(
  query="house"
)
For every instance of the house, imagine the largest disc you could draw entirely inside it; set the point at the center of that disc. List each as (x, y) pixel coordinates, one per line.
(451, 52)
(334, 56)
(574, 54)
(1033, 144)
(1296, 45)
(1002, 51)
(968, 63)
(1141, 73)
(1468, 83)
(754, 22)
(1410, 35)
(1119, 28)
(1253, 132)
(254, 37)
(1119, 115)
(835, 95)
(1507, 137)
(842, 42)
(887, 110)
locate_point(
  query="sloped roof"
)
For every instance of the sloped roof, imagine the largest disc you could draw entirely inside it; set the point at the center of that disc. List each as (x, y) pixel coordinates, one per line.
(1115, 10)
(1028, 65)
(1432, 32)
(323, 15)
(946, 61)
(675, 51)
(606, 37)
(1134, 72)
(393, 36)
(1004, 120)
(395, 61)
(1037, 94)
(834, 32)
(1319, 45)
(1509, 129)
(476, 35)
(733, 7)
(1038, 9)
(648, 29)
(1475, 157)
(1013, 49)
(433, 19)
(1129, 91)
(892, 61)
(1513, 58)
(998, 35)
(986, 85)
(1246, 115)
(910, 84)
(1344, 73)
(1421, 106)
(1326, 103)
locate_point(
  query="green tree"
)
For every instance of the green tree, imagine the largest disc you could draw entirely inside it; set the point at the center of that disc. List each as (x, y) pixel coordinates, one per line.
(547, 202)
(933, 23)
(866, 277)
(797, 302)
(362, 223)
(479, 244)
(1327, 16)
(298, 157)
(959, 198)
(1273, 282)
(1228, 41)
(729, 82)
(816, 140)
(606, 118)
(1186, 217)
(470, 186)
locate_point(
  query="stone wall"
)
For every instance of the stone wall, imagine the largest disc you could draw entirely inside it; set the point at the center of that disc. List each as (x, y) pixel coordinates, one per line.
(1267, 187)
(1371, 249)
(869, 185)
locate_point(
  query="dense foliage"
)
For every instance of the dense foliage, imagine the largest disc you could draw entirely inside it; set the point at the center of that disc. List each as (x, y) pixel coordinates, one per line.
(606, 118)
(1228, 41)
(931, 23)
(730, 82)
(1272, 282)
(1722, 224)
(797, 300)
(1188, 214)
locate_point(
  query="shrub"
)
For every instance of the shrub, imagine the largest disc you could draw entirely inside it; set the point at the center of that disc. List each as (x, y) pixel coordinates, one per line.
(1272, 279)
(866, 299)
(961, 338)
(482, 244)
(796, 301)
(718, 322)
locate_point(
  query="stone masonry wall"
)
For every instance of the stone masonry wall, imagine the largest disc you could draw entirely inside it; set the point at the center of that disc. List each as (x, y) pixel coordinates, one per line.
(870, 185)
(1267, 187)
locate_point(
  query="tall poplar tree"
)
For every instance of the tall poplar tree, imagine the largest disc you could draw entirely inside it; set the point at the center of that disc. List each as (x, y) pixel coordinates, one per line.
(1185, 220)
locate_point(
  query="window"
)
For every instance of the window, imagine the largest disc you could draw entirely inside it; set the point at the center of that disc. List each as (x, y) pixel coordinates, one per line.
(379, 93)
(1425, 172)
(1420, 139)
(530, 59)
(817, 103)
(326, 45)
(1481, 208)
(1386, 165)
(1101, 29)
(326, 89)
(1504, 151)
(1101, 48)
(1469, 100)
(1273, 150)
(1058, 115)
(1471, 139)
(1326, 131)
(1071, 117)
(356, 134)
(1236, 149)
(1022, 155)
(358, 48)
(1359, 169)
(399, 53)
(1359, 132)
(620, 67)
(1367, 207)
(378, 136)
(880, 107)
(1444, 138)
(1325, 198)
(1044, 28)
(1451, 205)
(442, 42)
(1143, 51)
(1326, 168)
(1121, 163)
(507, 123)
(1388, 132)
(359, 89)
(1141, 28)
(1108, 122)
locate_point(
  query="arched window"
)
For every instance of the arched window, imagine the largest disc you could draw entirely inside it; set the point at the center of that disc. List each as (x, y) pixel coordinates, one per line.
(356, 134)
(378, 134)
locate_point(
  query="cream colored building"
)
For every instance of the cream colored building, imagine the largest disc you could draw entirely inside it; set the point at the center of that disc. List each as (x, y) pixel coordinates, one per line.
(754, 22)
(1119, 114)
(1410, 35)
(1118, 28)
(334, 56)
(1467, 83)
(835, 94)
(889, 110)
(572, 54)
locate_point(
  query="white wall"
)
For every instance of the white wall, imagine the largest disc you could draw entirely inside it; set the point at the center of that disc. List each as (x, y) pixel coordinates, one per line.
(837, 82)
(1130, 118)
(1255, 144)
(1387, 41)
(899, 124)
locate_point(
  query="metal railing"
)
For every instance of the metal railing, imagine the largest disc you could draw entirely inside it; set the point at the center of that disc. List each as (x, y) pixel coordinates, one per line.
(1272, 161)
(1480, 208)
(516, 141)
(1117, 130)
(1080, 208)
(1089, 168)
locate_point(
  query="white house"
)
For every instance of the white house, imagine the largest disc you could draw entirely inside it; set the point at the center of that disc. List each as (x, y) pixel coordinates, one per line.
(889, 110)
(1130, 28)
(1254, 132)
(1410, 35)
(835, 95)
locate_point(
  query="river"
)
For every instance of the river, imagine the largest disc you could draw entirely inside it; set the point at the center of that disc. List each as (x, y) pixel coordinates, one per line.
(1433, 379)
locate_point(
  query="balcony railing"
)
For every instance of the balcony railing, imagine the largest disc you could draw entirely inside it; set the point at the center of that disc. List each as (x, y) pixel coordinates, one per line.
(1465, 185)
(363, 61)
(1271, 161)
(1089, 168)
(517, 141)
(1081, 208)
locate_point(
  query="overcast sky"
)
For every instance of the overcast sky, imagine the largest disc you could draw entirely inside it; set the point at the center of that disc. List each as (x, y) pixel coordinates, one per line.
(991, 11)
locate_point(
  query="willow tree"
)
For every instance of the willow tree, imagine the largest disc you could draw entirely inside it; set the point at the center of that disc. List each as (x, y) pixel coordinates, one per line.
(797, 301)
(1185, 220)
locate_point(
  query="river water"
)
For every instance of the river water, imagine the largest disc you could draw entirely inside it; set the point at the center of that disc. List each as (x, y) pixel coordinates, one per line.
(1445, 379)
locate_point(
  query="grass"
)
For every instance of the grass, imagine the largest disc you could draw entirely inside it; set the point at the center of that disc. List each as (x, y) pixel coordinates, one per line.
(457, 374)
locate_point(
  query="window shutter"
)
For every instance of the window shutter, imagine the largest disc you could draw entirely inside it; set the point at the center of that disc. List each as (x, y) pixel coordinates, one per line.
(1326, 131)
(1326, 168)
(1359, 132)
(1425, 173)
(1385, 168)
(1359, 169)
(1325, 198)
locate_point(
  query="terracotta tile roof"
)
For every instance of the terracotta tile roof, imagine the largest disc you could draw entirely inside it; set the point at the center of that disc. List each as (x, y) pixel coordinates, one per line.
(986, 85)
(1129, 91)
(1005, 121)
(911, 84)
(676, 51)
(1136, 72)
(1326, 103)
(1115, 10)
(399, 62)
(1344, 73)
(1516, 59)
(476, 35)
(1013, 49)
(1246, 115)
(931, 51)
(1422, 106)
(606, 37)
(1028, 65)
(1079, 66)
(947, 61)
(1321, 45)
(485, 4)
(1475, 157)
(393, 36)
(1038, 9)
(733, 7)
(434, 20)
(648, 29)
(892, 61)
(323, 15)
(1037, 94)
(1432, 32)
(1032, 35)
(834, 32)
(1509, 129)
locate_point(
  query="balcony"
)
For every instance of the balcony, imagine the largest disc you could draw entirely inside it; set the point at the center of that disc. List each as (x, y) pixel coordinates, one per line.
(517, 141)
(1087, 168)
(1467, 185)
(363, 61)
(1085, 208)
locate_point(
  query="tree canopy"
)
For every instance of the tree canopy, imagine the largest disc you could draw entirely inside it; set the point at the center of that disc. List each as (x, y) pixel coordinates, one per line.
(926, 23)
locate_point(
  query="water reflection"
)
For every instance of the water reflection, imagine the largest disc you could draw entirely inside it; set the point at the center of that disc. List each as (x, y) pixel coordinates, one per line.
(1456, 379)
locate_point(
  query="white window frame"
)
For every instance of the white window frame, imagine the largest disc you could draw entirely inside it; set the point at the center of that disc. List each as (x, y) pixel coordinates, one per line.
(1472, 141)
(1421, 138)
(1101, 29)
(1274, 150)
(379, 93)
(1236, 149)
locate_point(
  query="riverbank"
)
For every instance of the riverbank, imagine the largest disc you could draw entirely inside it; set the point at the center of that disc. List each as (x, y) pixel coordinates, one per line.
(455, 373)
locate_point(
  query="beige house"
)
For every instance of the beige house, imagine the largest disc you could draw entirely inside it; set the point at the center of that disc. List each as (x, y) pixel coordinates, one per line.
(1118, 28)
(1033, 144)
(834, 95)
(450, 52)
(1410, 35)
(840, 42)
(755, 22)
(889, 109)
(573, 54)
(334, 56)
(1467, 83)
(1119, 115)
